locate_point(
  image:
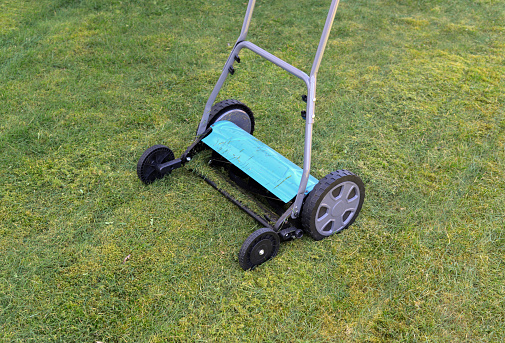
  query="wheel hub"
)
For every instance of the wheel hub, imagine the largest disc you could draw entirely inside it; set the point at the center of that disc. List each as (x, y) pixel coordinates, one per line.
(338, 209)
(261, 251)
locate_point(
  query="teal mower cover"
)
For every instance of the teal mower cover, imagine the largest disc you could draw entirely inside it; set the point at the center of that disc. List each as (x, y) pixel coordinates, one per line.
(266, 166)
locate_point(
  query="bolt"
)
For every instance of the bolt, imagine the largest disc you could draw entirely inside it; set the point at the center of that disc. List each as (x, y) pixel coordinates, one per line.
(261, 252)
(188, 158)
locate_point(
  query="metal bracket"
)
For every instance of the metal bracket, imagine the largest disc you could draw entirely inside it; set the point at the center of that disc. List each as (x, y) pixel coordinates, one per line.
(290, 233)
(190, 151)
(167, 167)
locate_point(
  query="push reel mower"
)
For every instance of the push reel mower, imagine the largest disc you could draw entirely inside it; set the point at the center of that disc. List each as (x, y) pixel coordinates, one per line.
(292, 201)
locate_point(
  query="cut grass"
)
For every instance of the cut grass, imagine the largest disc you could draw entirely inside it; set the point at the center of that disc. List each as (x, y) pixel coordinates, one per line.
(410, 97)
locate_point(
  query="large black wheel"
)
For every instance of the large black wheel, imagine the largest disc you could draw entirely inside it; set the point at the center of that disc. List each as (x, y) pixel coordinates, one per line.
(333, 204)
(259, 247)
(234, 111)
(155, 155)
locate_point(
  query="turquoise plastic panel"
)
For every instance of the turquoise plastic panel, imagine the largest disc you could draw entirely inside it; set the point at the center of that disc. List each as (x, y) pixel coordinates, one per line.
(262, 163)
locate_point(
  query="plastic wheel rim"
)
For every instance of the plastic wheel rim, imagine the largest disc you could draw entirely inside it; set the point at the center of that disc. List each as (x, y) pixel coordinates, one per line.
(238, 117)
(261, 251)
(337, 208)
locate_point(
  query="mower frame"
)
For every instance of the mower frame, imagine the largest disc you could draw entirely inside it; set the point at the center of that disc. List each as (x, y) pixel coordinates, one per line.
(310, 82)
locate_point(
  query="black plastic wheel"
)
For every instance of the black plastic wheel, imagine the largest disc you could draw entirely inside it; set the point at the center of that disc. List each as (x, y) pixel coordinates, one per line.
(234, 111)
(155, 155)
(333, 204)
(259, 247)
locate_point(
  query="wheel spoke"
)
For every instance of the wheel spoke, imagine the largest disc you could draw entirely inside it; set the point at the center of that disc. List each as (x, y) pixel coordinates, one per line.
(348, 188)
(329, 201)
(349, 216)
(323, 222)
(148, 173)
(339, 222)
(161, 156)
(353, 202)
(323, 209)
(331, 194)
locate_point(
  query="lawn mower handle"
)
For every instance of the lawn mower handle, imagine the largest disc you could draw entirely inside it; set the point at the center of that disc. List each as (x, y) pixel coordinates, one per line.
(310, 82)
(322, 41)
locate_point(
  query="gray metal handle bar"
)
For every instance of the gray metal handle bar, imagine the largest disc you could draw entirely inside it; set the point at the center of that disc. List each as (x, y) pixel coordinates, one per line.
(310, 82)
(322, 41)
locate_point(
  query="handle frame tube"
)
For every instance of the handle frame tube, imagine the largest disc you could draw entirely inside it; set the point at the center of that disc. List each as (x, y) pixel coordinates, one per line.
(309, 80)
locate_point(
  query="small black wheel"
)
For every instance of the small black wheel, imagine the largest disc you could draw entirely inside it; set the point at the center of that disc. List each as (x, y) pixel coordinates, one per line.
(155, 155)
(259, 247)
(234, 111)
(333, 204)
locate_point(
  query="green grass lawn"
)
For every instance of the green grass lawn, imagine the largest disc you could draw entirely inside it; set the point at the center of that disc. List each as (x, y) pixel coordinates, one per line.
(410, 97)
